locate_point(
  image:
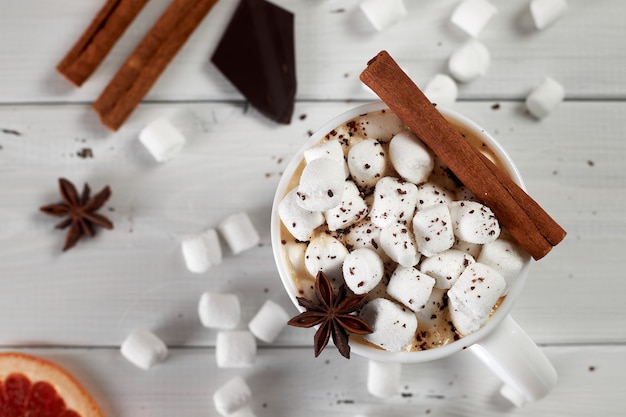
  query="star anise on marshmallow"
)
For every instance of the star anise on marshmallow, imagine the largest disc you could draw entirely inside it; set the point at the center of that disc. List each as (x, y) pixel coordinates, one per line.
(333, 313)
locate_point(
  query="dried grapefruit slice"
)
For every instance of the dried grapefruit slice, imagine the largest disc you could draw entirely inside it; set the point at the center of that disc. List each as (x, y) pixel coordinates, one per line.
(31, 386)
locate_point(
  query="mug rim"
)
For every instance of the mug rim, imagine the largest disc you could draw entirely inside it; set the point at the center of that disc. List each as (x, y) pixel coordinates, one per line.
(372, 352)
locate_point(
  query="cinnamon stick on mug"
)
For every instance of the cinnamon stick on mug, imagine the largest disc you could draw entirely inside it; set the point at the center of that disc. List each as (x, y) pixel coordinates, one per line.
(527, 222)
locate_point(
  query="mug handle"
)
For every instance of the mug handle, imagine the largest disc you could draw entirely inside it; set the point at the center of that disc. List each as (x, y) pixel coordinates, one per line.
(511, 354)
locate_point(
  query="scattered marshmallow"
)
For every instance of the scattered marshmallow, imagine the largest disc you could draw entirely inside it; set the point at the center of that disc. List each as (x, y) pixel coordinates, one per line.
(383, 378)
(367, 162)
(544, 98)
(398, 243)
(505, 257)
(446, 267)
(243, 412)
(219, 311)
(394, 201)
(239, 232)
(232, 396)
(162, 139)
(330, 149)
(362, 270)
(410, 157)
(351, 209)
(472, 15)
(325, 253)
(269, 321)
(442, 90)
(433, 230)
(393, 326)
(474, 222)
(546, 12)
(469, 62)
(321, 184)
(514, 396)
(298, 221)
(202, 251)
(143, 349)
(383, 13)
(430, 194)
(410, 287)
(235, 349)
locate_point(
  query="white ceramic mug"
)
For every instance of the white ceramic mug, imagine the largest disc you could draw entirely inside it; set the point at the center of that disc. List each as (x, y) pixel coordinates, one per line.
(501, 344)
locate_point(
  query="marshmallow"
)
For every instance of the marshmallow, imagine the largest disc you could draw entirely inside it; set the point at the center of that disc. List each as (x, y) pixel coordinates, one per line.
(269, 321)
(161, 139)
(383, 378)
(544, 98)
(474, 222)
(505, 257)
(382, 125)
(513, 395)
(364, 234)
(546, 12)
(202, 251)
(443, 176)
(433, 231)
(410, 157)
(430, 194)
(367, 162)
(321, 185)
(399, 244)
(330, 149)
(464, 193)
(243, 412)
(472, 15)
(143, 349)
(431, 316)
(383, 13)
(298, 221)
(446, 266)
(472, 249)
(351, 209)
(394, 200)
(410, 287)
(393, 326)
(325, 253)
(442, 90)
(294, 251)
(239, 232)
(469, 61)
(235, 349)
(473, 296)
(219, 311)
(231, 396)
(362, 270)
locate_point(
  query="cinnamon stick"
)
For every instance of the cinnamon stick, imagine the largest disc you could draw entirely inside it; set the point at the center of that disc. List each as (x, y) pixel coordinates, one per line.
(527, 222)
(95, 43)
(149, 59)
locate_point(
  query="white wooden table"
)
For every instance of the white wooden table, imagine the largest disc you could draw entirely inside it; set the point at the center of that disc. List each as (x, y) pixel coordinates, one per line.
(77, 307)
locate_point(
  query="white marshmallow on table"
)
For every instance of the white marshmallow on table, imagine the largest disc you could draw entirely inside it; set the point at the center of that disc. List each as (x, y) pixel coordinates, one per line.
(239, 232)
(143, 349)
(232, 396)
(331, 149)
(219, 311)
(442, 90)
(235, 349)
(410, 287)
(446, 267)
(245, 411)
(410, 157)
(472, 15)
(430, 194)
(351, 209)
(162, 139)
(433, 230)
(362, 270)
(473, 296)
(202, 251)
(398, 243)
(367, 162)
(505, 257)
(383, 378)
(364, 234)
(269, 321)
(325, 253)
(321, 184)
(544, 98)
(383, 13)
(298, 221)
(474, 222)
(394, 200)
(393, 325)
(469, 61)
(546, 12)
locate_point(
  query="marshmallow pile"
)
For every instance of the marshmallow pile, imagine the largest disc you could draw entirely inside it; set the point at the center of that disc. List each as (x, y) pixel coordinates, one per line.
(397, 226)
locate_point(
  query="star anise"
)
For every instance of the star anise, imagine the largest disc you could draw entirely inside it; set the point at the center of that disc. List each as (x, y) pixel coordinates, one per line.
(333, 314)
(80, 210)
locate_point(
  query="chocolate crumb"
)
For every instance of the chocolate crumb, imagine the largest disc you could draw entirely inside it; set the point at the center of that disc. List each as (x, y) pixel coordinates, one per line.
(496, 106)
(85, 153)
(590, 162)
(11, 132)
(302, 116)
(592, 368)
